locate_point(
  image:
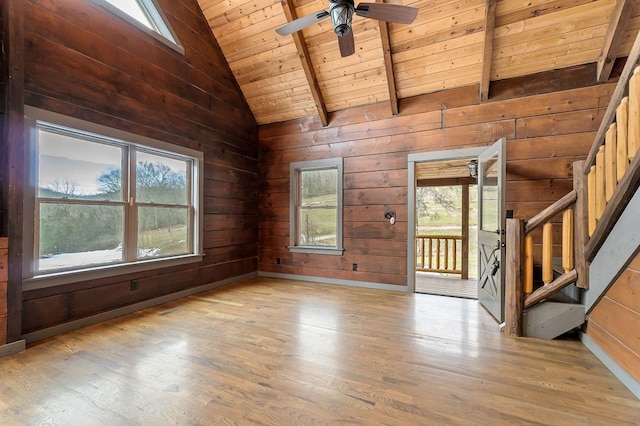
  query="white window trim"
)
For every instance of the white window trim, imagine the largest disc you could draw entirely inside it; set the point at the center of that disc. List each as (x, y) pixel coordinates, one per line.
(32, 281)
(295, 167)
(164, 33)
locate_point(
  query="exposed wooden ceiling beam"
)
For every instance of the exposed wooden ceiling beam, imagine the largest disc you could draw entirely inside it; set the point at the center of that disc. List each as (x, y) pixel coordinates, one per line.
(388, 65)
(489, 29)
(309, 72)
(613, 38)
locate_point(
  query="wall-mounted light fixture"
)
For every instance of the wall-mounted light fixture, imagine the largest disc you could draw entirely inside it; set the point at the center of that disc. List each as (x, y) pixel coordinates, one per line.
(390, 216)
(473, 168)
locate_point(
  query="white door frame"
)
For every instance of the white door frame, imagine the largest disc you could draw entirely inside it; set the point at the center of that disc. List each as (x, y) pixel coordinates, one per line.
(422, 157)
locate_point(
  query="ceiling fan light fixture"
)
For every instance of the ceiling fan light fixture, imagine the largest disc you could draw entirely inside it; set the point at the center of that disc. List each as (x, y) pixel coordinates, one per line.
(341, 12)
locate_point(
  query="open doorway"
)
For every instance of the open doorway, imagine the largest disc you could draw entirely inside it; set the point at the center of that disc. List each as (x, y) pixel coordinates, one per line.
(446, 212)
(491, 171)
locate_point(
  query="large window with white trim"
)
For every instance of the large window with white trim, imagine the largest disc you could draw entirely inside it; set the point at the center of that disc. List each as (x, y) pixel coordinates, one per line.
(316, 206)
(105, 200)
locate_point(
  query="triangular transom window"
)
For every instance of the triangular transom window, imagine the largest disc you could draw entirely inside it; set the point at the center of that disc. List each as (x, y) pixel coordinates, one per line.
(147, 14)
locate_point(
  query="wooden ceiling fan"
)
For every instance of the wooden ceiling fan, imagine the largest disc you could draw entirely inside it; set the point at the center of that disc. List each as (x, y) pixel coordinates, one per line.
(341, 12)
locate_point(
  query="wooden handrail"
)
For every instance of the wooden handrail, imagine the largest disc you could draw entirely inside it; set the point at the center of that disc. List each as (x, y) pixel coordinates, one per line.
(442, 237)
(549, 290)
(603, 186)
(612, 181)
(519, 268)
(546, 214)
(625, 190)
(617, 96)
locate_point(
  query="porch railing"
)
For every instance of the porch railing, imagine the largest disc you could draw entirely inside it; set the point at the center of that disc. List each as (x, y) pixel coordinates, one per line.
(439, 253)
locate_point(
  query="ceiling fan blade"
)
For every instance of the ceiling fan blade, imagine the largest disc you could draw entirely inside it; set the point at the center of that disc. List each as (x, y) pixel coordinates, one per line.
(300, 23)
(387, 12)
(346, 43)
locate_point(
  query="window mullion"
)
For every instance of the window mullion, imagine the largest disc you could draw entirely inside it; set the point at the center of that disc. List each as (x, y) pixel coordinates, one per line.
(298, 207)
(191, 202)
(131, 220)
(36, 236)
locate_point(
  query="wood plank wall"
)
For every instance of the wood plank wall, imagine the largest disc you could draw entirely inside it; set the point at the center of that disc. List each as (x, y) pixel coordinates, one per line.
(3, 148)
(614, 322)
(546, 133)
(3, 289)
(3, 167)
(82, 61)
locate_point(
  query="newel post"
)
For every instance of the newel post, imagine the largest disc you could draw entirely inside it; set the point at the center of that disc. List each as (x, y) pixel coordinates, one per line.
(514, 286)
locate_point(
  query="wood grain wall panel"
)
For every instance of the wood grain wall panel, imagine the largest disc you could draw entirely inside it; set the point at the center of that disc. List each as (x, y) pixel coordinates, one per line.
(362, 131)
(378, 179)
(460, 137)
(3, 298)
(56, 309)
(544, 190)
(3, 329)
(531, 106)
(85, 62)
(580, 76)
(230, 253)
(571, 145)
(77, 28)
(4, 263)
(617, 350)
(545, 134)
(609, 315)
(627, 290)
(371, 212)
(614, 322)
(563, 123)
(45, 312)
(541, 168)
(3, 148)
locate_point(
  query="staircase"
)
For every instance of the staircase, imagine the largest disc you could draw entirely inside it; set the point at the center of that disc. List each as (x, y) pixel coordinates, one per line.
(552, 308)
(603, 185)
(559, 313)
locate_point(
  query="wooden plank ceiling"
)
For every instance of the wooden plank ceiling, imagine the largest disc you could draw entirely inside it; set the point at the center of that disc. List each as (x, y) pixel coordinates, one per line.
(452, 43)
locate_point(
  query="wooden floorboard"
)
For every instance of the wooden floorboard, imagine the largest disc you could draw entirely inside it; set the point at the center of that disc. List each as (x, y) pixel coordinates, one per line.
(279, 352)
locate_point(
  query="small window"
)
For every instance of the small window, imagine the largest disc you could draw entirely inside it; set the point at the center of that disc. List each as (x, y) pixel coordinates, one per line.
(103, 201)
(316, 207)
(147, 15)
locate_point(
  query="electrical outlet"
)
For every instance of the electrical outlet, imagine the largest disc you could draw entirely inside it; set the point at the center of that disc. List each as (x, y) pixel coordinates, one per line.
(134, 285)
(278, 262)
(355, 266)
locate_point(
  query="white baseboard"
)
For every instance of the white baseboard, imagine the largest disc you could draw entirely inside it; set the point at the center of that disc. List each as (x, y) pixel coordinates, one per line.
(114, 313)
(613, 366)
(334, 281)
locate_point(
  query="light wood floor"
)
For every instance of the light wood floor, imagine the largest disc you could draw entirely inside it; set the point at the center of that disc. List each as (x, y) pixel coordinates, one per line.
(446, 285)
(285, 353)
